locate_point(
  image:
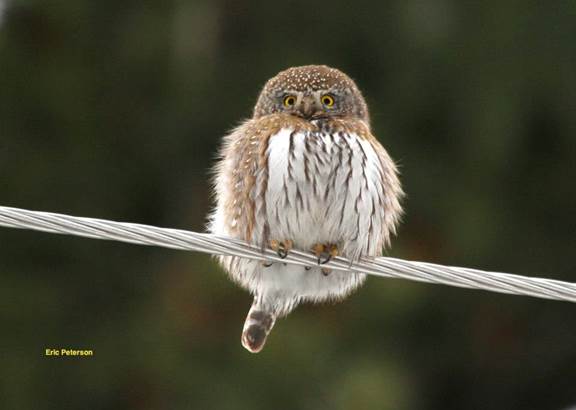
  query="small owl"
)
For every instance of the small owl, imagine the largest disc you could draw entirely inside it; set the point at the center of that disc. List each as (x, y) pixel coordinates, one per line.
(306, 173)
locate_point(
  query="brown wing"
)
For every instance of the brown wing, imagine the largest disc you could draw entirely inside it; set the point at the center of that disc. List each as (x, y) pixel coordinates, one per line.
(393, 194)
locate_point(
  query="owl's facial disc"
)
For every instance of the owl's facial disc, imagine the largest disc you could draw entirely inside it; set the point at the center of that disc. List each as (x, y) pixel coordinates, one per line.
(311, 105)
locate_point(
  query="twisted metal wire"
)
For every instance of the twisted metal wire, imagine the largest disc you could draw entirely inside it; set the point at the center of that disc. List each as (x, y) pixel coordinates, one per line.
(213, 244)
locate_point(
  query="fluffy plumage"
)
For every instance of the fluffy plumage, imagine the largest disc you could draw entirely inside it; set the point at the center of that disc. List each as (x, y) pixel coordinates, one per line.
(308, 173)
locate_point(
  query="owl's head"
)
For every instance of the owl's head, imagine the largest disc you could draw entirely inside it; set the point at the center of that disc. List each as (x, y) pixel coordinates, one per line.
(312, 92)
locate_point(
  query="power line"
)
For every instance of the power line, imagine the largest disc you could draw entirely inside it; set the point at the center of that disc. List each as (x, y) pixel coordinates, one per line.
(213, 244)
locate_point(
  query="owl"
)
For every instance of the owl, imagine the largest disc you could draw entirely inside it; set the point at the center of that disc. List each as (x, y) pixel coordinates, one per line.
(305, 172)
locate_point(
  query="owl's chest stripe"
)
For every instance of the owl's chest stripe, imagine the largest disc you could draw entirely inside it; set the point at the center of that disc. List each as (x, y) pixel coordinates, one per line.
(306, 158)
(291, 155)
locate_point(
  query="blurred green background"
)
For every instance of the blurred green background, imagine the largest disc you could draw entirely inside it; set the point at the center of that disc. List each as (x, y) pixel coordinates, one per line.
(115, 110)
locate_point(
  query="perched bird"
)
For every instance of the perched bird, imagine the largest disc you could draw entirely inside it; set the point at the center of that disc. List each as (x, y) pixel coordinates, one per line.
(305, 172)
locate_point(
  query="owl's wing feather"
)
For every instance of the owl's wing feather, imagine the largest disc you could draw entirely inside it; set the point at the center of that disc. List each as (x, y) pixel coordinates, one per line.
(392, 190)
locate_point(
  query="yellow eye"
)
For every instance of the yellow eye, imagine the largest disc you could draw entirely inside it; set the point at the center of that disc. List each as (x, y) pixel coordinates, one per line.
(327, 100)
(289, 101)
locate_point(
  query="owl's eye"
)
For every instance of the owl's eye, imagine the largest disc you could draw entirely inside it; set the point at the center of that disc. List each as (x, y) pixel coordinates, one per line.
(327, 100)
(289, 101)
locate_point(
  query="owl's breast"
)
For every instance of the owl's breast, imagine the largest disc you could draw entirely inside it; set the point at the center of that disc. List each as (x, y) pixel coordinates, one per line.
(324, 188)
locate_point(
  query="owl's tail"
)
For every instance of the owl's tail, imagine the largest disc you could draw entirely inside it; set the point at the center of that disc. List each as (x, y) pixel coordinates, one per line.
(257, 326)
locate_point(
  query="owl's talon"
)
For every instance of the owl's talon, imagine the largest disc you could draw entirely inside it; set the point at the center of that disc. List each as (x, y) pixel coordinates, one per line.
(325, 253)
(318, 250)
(281, 247)
(267, 264)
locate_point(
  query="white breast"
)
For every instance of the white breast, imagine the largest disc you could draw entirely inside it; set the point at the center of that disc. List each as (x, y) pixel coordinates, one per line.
(325, 188)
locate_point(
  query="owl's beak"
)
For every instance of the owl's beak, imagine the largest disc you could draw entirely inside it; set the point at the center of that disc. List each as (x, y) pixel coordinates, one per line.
(308, 107)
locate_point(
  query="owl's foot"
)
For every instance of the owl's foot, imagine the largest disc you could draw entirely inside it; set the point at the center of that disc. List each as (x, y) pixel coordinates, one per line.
(281, 247)
(325, 253)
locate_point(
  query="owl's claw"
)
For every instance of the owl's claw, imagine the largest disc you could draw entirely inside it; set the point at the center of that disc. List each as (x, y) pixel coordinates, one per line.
(325, 253)
(281, 247)
(267, 264)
